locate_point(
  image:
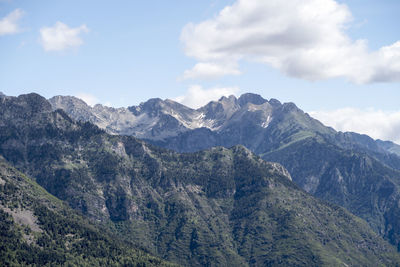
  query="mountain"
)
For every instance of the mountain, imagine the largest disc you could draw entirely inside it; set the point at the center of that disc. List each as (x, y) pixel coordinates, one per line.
(353, 180)
(153, 119)
(37, 229)
(389, 146)
(215, 207)
(348, 169)
(167, 123)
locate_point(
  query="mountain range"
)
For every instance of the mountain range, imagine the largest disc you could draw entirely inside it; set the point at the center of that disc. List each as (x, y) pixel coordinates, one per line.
(348, 169)
(166, 121)
(215, 207)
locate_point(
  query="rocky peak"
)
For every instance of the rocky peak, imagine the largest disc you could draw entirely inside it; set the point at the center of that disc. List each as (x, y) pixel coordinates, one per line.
(251, 98)
(229, 99)
(67, 101)
(152, 105)
(221, 109)
(290, 107)
(274, 102)
(242, 150)
(28, 104)
(177, 106)
(35, 102)
(74, 107)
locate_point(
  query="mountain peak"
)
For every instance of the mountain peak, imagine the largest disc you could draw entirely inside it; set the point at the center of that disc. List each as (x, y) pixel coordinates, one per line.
(152, 102)
(251, 98)
(33, 102)
(230, 98)
(274, 102)
(60, 101)
(241, 149)
(290, 106)
(152, 106)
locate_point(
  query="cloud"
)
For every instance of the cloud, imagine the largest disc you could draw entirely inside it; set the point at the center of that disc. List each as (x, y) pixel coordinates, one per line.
(9, 24)
(61, 37)
(206, 70)
(89, 99)
(378, 124)
(302, 38)
(196, 96)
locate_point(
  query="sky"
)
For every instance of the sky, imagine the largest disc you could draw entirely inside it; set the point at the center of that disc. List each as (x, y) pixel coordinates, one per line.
(338, 60)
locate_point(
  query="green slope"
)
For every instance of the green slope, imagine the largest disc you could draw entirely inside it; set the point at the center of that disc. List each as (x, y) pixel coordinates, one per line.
(348, 178)
(37, 229)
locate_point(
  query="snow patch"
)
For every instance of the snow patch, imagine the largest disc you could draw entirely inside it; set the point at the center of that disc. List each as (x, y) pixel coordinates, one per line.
(266, 123)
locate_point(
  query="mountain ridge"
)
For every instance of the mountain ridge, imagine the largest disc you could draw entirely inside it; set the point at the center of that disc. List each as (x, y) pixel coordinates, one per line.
(62, 102)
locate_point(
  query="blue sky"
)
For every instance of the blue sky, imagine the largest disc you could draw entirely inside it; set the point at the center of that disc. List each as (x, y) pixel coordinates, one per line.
(125, 52)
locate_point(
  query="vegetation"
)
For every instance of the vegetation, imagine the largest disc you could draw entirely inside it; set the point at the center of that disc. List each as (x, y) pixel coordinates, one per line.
(37, 230)
(348, 178)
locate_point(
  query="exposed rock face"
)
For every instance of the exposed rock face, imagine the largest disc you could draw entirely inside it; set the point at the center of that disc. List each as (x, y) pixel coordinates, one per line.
(219, 206)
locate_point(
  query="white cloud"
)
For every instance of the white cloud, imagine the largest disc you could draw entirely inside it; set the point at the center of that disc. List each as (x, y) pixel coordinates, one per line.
(61, 37)
(208, 70)
(378, 124)
(9, 24)
(302, 38)
(196, 96)
(91, 100)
